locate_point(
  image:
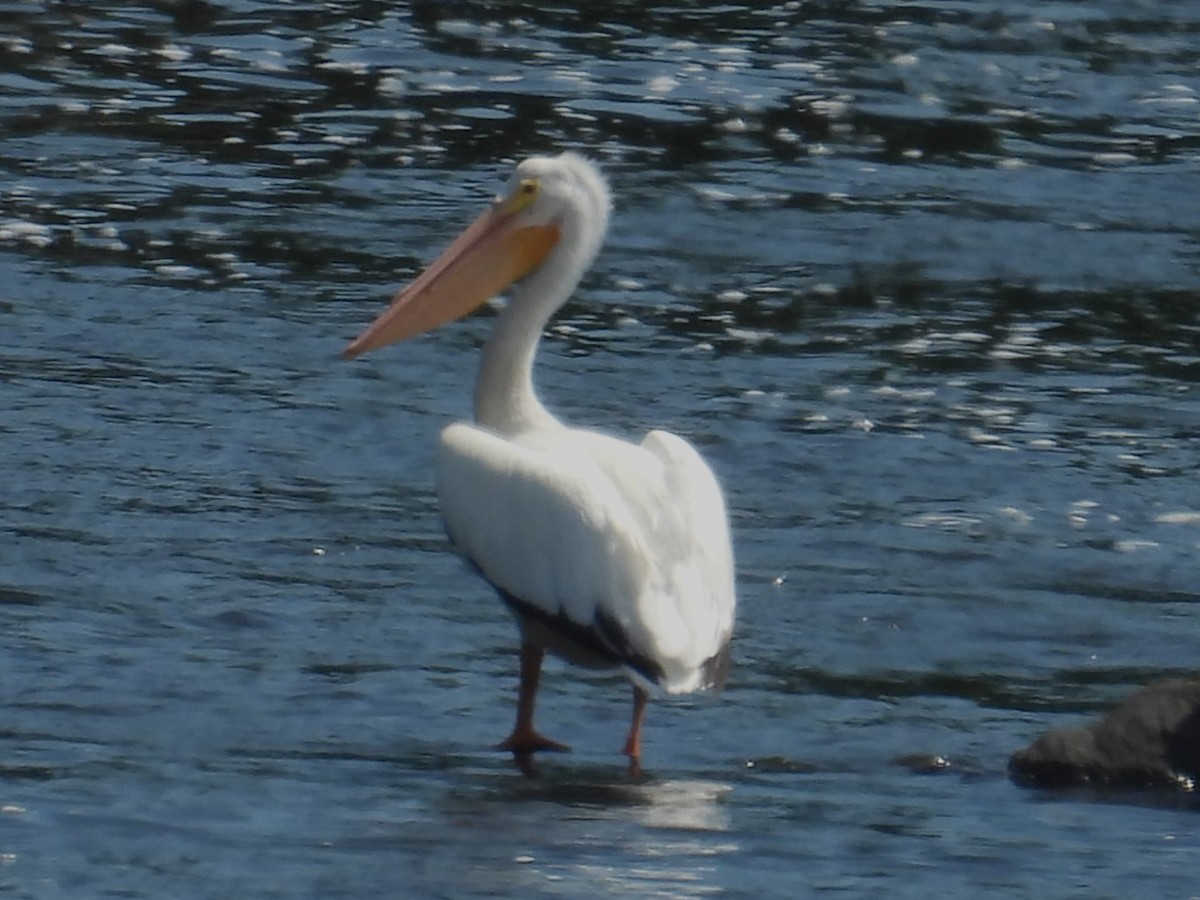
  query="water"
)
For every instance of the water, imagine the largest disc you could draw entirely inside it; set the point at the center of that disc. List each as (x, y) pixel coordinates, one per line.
(919, 280)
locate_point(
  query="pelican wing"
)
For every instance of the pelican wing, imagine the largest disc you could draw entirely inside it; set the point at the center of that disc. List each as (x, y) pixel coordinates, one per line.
(628, 540)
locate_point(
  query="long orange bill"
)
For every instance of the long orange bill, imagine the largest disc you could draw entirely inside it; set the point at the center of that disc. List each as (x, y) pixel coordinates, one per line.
(491, 254)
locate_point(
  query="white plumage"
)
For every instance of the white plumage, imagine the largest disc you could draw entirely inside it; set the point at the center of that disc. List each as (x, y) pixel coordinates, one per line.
(609, 553)
(577, 523)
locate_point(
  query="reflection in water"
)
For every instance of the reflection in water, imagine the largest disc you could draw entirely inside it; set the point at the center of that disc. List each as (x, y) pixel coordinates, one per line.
(686, 805)
(676, 848)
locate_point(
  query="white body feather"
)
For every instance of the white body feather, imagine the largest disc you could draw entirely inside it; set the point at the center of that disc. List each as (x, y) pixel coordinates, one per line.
(577, 523)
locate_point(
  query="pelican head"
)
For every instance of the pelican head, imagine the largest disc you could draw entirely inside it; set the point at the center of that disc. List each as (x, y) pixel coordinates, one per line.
(547, 226)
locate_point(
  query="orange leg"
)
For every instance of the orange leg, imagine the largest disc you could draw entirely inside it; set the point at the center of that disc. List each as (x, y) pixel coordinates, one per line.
(524, 739)
(633, 744)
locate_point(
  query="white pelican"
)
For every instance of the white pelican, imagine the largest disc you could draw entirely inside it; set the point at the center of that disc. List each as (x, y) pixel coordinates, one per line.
(608, 553)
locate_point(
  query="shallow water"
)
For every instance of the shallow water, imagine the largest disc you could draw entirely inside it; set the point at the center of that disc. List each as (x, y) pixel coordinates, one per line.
(920, 281)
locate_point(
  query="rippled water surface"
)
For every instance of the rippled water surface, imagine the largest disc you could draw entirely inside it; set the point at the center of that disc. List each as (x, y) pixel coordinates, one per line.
(920, 279)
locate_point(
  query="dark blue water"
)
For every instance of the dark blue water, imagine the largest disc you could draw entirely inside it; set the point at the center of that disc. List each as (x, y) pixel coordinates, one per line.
(920, 280)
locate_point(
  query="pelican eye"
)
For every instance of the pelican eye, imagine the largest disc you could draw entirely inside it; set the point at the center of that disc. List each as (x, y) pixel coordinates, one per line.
(526, 192)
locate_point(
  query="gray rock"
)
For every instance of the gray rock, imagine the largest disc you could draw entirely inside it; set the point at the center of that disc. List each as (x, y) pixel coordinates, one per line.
(1151, 739)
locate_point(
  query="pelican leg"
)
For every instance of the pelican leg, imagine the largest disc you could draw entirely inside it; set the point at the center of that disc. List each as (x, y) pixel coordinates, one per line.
(633, 744)
(525, 739)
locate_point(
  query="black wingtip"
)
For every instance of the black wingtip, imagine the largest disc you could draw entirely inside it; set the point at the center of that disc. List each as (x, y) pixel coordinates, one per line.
(716, 667)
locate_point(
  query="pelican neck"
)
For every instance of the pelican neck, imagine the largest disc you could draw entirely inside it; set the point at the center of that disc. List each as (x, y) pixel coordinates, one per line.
(506, 400)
